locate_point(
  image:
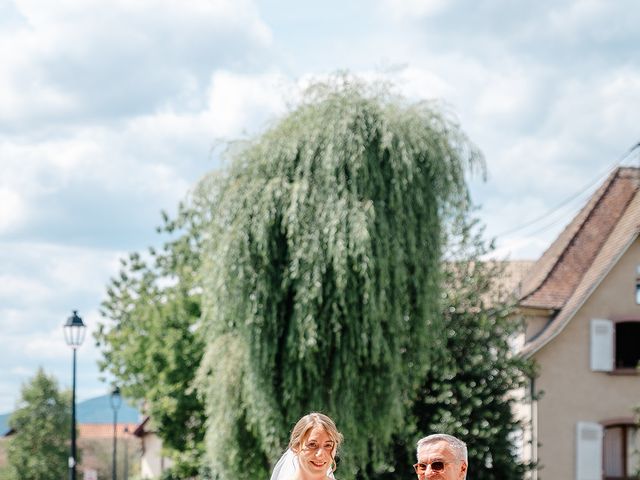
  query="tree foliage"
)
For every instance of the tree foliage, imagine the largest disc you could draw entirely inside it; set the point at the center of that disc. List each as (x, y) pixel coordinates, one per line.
(38, 449)
(335, 267)
(149, 339)
(321, 272)
(472, 390)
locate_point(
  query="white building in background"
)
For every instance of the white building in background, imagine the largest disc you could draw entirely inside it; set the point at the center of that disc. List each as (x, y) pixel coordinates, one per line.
(152, 461)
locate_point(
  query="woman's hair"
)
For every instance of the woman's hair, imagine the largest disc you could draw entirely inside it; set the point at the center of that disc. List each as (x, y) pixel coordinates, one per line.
(307, 423)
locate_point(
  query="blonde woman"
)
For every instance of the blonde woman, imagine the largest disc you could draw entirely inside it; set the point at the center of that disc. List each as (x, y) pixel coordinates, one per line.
(312, 449)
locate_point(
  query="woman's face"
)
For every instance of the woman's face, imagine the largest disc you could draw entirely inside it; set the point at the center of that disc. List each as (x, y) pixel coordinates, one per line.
(316, 454)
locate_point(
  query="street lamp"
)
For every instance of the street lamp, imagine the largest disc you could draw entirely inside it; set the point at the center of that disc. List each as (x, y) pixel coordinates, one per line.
(126, 453)
(74, 331)
(116, 401)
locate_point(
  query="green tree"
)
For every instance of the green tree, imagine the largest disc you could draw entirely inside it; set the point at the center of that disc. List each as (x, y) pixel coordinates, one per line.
(321, 291)
(5, 472)
(38, 448)
(149, 338)
(472, 390)
(321, 273)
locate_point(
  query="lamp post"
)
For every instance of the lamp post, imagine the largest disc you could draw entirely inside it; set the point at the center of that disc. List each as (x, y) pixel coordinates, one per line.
(126, 453)
(116, 401)
(74, 332)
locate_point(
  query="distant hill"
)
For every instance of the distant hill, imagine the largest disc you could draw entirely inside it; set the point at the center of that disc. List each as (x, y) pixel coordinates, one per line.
(93, 410)
(98, 410)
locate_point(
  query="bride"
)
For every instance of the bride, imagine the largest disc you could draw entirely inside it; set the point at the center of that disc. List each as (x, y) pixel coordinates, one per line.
(312, 450)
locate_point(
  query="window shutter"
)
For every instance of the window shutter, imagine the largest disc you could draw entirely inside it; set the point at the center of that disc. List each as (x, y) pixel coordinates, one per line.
(601, 345)
(589, 451)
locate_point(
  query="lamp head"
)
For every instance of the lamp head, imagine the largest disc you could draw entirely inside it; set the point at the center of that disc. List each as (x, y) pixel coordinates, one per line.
(116, 398)
(74, 330)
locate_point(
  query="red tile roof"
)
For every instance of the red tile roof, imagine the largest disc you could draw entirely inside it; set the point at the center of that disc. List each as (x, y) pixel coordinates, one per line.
(104, 430)
(583, 254)
(514, 273)
(554, 278)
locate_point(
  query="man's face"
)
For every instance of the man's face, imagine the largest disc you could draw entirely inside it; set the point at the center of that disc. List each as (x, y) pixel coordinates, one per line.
(449, 466)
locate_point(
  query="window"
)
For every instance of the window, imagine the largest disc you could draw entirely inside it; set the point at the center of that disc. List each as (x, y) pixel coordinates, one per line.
(615, 345)
(621, 459)
(627, 344)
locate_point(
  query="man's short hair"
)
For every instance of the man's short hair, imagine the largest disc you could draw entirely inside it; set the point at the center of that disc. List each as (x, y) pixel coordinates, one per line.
(456, 444)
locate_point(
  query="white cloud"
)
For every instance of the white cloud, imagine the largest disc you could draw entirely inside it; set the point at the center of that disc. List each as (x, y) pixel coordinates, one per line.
(92, 16)
(46, 347)
(136, 55)
(506, 94)
(148, 161)
(412, 9)
(576, 17)
(619, 99)
(142, 162)
(33, 275)
(524, 247)
(16, 286)
(239, 102)
(12, 209)
(421, 83)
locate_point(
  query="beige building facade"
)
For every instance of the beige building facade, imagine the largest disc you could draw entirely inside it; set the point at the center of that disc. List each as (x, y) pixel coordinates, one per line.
(581, 302)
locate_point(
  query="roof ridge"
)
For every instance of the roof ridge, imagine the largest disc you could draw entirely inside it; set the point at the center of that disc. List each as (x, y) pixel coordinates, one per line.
(627, 231)
(586, 213)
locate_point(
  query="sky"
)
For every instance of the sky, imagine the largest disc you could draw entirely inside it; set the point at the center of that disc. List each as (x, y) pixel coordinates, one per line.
(111, 110)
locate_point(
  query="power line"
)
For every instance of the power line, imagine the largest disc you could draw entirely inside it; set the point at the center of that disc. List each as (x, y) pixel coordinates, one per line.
(570, 213)
(598, 179)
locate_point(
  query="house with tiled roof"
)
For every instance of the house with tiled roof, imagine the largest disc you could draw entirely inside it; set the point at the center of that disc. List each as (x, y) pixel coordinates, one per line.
(581, 305)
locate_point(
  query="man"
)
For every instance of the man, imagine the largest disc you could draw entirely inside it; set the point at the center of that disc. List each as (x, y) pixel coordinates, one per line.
(441, 457)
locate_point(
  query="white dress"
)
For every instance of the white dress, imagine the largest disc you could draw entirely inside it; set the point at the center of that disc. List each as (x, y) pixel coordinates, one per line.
(288, 465)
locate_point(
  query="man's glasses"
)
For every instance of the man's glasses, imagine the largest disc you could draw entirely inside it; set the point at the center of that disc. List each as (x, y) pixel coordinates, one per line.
(436, 466)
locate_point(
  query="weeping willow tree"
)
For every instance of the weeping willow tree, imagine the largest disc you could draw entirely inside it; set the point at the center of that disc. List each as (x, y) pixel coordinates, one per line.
(321, 273)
